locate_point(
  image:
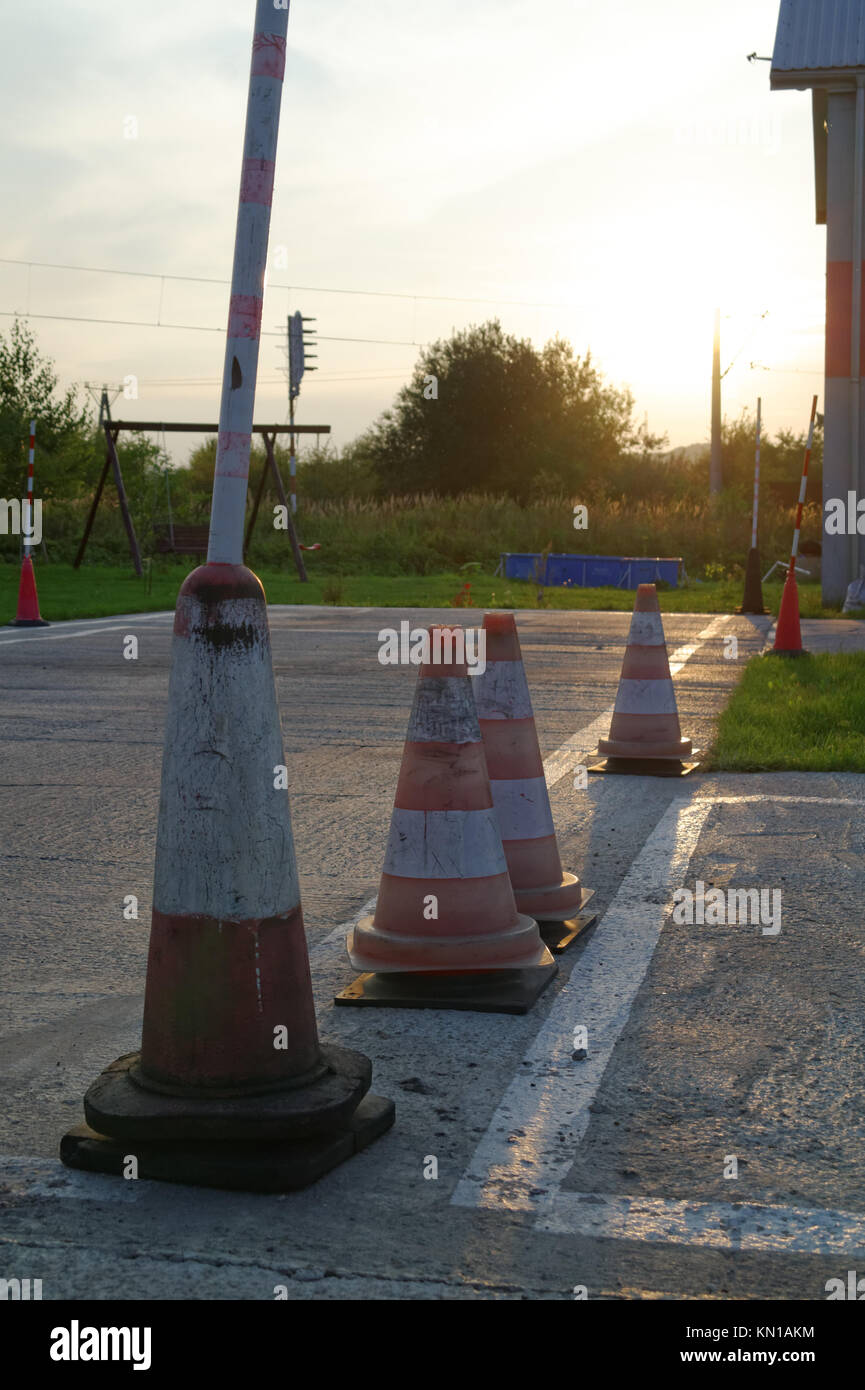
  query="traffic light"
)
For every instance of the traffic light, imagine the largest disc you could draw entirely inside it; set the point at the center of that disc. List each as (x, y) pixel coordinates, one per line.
(300, 340)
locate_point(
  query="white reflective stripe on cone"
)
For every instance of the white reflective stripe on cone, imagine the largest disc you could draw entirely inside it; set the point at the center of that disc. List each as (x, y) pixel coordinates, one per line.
(523, 808)
(645, 697)
(502, 691)
(444, 711)
(444, 844)
(647, 630)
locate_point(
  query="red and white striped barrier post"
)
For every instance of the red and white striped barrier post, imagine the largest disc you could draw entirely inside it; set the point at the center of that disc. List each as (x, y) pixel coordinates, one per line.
(756, 502)
(752, 600)
(230, 1050)
(31, 455)
(788, 633)
(802, 489)
(27, 614)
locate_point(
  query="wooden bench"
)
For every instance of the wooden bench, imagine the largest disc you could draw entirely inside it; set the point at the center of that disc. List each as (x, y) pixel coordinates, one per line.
(182, 540)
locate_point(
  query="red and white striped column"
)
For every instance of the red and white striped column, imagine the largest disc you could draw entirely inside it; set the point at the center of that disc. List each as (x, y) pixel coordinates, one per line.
(845, 327)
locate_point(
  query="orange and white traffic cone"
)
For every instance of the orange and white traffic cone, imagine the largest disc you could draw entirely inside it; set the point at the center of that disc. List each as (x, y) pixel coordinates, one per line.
(788, 632)
(645, 736)
(541, 888)
(28, 600)
(446, 932)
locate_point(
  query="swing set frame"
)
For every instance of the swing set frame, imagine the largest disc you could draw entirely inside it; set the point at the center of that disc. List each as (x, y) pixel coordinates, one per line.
(268, 433)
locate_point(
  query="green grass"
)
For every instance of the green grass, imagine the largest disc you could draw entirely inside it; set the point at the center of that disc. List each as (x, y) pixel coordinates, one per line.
(97, 591)
(795, 715)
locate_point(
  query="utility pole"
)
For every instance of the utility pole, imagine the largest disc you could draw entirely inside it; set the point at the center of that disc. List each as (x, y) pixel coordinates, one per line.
(715, 459)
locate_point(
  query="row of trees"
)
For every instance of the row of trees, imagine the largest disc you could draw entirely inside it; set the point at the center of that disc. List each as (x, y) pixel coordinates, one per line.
(484, 413)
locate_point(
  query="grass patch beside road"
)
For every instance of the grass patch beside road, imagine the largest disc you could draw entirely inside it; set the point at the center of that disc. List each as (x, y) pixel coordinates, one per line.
(99, 591)
(805, 714)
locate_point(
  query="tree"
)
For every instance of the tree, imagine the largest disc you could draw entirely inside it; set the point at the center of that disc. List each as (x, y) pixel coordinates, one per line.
(29, 390)
(486, 412)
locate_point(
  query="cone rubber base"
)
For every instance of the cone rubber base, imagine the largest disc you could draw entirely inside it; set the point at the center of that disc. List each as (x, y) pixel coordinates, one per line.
(483, 992)
(646, 767)
(272, 1166)
(29, 622)
(558, 936)
(116, 1105)
(555, 903)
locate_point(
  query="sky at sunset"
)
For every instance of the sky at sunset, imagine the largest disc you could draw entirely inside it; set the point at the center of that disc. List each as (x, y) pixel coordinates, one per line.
(608, 172)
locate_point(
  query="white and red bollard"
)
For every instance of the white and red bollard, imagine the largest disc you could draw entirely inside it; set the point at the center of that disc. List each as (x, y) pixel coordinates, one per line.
(231, 1087)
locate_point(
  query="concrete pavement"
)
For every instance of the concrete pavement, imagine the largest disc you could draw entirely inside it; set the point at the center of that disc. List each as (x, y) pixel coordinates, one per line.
(705, 1042)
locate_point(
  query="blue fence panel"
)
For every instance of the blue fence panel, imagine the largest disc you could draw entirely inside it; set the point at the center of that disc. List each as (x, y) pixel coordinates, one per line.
(593, 571)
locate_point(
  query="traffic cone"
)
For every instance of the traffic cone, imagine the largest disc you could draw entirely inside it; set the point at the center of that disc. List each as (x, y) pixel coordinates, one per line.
(28, 599)
(788, 634)
(446, 932)
(645, 736)
(231, 1087)
(752, 599)
(519, 789)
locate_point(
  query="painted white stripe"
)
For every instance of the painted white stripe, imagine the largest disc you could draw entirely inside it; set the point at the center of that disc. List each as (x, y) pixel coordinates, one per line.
(502, 692)
(444, 844)
(545, 1110)
(645, 697)
(39, 634)
(523, 808)
(647, 629)
(558, 764)
(740, 1226)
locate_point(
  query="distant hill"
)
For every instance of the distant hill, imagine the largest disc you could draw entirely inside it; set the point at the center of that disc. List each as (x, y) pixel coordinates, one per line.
(688, 453)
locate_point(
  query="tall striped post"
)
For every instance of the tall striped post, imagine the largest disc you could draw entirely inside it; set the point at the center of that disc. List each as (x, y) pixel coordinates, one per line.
(756, 504)
(30, 459)
(788, 632)
(752, 600)
(243, 338)
(27, 614)
(803, 486)
(231, 1074)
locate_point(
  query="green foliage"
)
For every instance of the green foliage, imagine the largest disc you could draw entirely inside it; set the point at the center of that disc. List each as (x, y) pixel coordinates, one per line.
(504, 418)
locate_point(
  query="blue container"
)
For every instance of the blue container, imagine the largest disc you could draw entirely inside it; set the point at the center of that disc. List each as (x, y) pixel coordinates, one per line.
(592, 571)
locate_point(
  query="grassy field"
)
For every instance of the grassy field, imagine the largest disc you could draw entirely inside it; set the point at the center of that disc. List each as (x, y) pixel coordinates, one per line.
(802, 715)
(97, 591)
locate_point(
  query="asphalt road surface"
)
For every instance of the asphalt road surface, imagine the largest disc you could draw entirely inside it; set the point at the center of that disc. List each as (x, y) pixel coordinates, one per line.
(706, 1043)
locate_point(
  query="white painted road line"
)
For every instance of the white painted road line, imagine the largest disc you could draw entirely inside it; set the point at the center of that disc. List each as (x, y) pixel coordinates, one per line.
(741, 1226)
(530, 1144)
(40, 635)
(558, 764)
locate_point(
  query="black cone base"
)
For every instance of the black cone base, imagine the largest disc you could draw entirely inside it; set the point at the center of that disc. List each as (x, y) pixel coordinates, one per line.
(29, 622)
(558, 936)
(260, 1166)
(645, 767)
(752, 601)
(483, 992)
(116, 1105)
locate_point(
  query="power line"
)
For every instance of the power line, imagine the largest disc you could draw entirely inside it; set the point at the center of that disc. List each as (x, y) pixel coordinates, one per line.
(302, 289)
(193, 328)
